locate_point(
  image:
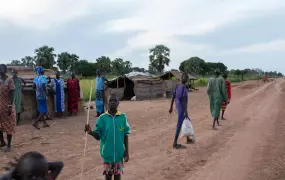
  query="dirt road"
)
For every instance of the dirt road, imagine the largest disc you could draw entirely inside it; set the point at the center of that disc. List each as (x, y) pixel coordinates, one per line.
(249, 145)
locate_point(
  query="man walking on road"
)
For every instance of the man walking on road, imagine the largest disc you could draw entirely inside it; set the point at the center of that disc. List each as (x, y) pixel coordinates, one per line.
(217, 92)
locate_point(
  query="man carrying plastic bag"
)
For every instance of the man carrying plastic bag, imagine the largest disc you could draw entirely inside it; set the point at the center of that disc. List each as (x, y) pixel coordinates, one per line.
(180, 95)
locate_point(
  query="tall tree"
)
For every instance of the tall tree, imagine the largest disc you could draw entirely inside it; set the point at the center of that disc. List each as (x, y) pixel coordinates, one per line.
(85, 68)
(64, 61)
(118, 66)
(127, 67)
(194, 66)
(28, 61)
(159, 57)
(74, 59)
(16, 63)
(104, 64)
(45, 56)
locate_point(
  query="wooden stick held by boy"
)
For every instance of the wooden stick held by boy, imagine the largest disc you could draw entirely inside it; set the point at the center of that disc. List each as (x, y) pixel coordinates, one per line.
(112, 130)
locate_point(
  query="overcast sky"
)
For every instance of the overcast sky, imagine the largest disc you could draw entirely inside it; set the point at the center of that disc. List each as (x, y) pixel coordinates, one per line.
(239, 33)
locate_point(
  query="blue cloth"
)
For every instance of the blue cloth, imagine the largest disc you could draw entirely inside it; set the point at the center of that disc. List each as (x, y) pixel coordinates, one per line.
(42, 106)
(100, 83)
(39, 70)
(58, 86)
(179, 93)
(99, 102)
(39, 81)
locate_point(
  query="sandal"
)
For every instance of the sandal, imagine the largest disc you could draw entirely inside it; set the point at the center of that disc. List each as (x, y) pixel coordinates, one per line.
(178, 146)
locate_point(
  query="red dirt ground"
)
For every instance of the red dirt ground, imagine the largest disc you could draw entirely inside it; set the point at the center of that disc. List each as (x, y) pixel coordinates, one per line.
(249, 145)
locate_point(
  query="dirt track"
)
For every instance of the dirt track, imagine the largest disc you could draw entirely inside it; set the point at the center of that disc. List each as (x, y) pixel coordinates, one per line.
(249, 145)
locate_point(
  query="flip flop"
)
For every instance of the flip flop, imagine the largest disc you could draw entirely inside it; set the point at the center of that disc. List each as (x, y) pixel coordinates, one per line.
(179, 146)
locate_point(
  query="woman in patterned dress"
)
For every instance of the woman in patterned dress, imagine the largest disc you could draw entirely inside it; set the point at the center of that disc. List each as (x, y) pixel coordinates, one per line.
(58, 87)
(7, 111)
(73, 94)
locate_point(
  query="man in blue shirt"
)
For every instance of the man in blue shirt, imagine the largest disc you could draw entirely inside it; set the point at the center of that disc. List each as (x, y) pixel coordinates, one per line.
(40, 86)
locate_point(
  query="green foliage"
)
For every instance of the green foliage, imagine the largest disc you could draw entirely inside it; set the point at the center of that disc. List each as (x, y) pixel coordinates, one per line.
(64, 61)
(159, 58)
(16, 63)
(45, 56)
(28, 61)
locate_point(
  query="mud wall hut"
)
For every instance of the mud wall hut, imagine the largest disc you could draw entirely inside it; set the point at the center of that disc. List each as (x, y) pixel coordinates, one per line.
(29, 96)
(141, 87)
(171, 79)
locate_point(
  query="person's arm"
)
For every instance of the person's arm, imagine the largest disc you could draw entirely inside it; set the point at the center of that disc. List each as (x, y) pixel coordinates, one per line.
(7, 175)
(11, 87)
(78, 88)
(98, 131)
(184, 100)
(127, 129)
(208, 87)
(55, 168)
(172, 100)
(23, 81)
(45, 89)
(223, 90)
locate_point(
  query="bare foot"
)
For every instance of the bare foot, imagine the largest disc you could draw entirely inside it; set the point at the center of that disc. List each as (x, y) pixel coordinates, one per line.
(36, 126)
(214, 128)
(8, 149)
(45, 125)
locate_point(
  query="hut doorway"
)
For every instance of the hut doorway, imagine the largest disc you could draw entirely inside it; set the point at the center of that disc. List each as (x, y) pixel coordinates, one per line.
(124, 83)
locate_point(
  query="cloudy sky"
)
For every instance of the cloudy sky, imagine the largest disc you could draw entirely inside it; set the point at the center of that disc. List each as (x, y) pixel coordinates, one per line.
(241, 34)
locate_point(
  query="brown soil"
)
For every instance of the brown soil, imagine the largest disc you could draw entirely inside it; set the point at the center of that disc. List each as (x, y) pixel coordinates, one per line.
(249, 145)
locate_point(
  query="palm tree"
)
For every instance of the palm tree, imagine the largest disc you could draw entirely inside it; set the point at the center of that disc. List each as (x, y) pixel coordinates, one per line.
(159, 57)
(28, 61)
(45, 56)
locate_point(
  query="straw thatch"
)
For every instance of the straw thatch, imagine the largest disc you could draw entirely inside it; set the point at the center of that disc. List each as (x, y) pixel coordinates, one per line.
(29, 96)
(148, 89)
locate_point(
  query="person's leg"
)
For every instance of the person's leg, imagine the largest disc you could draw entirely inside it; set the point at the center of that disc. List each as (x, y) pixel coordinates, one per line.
(214, 124)
(2, 141)
(45, 123)
(18, 118)
(223, 112)
(108, 177)
(9, 140)
(218, 123)
(117, 177)
(35, 123)
(178, 129)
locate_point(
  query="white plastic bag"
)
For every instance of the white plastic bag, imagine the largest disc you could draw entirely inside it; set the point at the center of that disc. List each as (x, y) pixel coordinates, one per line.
(187, 128)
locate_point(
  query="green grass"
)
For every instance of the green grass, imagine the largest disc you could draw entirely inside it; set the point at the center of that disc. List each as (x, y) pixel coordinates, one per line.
(85, 85)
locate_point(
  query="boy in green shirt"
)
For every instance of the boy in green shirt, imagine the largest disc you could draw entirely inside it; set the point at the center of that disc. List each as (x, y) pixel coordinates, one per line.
(112, 130)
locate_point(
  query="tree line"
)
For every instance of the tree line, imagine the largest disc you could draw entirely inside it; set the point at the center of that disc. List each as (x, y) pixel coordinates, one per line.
(159, 59)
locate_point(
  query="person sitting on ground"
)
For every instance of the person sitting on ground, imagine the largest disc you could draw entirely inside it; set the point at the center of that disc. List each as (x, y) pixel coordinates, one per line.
(112, 130)
(180, 95)
(32, 165)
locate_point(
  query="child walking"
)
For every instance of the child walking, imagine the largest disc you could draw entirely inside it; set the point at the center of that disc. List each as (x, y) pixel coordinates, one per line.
(112, 130)
(33, 165)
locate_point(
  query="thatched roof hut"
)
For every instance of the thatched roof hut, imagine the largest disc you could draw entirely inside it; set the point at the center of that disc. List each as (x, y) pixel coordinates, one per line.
(29, 97)
(171, 79)
(141, 87)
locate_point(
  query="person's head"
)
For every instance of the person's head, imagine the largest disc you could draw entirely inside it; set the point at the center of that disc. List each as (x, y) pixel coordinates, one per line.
(57, 74)
(184, 78)
(3, 69)
(15, 73)
(32, 165)
(225, 75)
(113, 102)
(39, 70)
(217, 72)
(99, 72)
(73, 75)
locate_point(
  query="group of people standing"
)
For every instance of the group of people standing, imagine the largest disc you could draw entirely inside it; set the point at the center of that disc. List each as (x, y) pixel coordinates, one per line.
(11, 99)
(219, 92)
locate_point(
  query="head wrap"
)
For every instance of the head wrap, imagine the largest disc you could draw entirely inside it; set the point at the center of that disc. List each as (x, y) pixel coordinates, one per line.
(39, 70)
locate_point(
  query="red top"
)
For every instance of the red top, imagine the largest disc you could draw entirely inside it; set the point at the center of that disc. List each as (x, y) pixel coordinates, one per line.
(229, 89)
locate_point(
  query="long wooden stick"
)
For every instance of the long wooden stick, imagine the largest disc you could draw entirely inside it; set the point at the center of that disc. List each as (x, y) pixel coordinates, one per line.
(85, 146)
